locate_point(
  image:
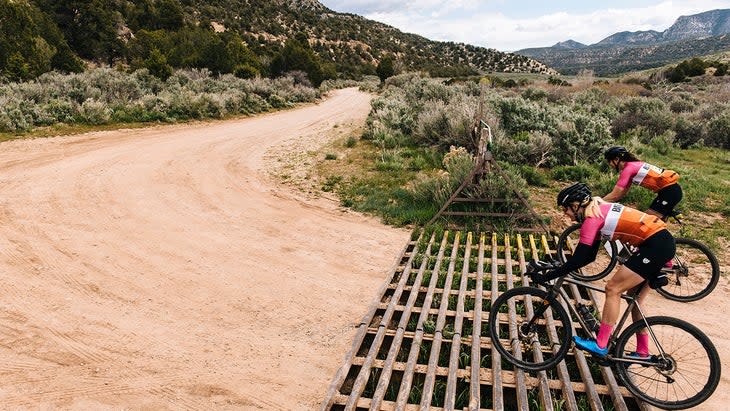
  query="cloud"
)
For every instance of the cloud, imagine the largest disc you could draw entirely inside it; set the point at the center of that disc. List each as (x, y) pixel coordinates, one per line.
(469, 21)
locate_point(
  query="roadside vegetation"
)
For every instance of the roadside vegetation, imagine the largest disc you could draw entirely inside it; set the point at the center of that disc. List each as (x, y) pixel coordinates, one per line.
(106, 96)
(418, 144)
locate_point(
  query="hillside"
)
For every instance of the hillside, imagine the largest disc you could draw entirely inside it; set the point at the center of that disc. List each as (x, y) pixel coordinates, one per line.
(234, 36)
(689, 36)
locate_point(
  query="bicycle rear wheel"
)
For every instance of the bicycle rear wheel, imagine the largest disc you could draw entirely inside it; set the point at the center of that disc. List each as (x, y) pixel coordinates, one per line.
(530, 329)
(687, 374)
(601, 267)
(694, 272)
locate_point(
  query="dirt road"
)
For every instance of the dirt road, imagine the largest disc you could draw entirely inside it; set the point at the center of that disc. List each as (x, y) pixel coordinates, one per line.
(164, 269)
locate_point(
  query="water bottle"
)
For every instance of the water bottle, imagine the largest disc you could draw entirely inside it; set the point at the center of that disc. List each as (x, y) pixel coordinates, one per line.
(588, 318)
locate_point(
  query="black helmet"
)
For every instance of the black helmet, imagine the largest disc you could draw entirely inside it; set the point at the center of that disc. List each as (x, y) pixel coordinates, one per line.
(615, 152)
(578, 192)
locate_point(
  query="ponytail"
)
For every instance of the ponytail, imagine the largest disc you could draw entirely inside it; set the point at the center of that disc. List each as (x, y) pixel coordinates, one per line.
(593, 209)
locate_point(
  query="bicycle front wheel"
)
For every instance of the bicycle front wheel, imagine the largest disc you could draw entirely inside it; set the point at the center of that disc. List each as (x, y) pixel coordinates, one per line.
(530, 329)
(694, 272)
(605, 259)
(686, 367)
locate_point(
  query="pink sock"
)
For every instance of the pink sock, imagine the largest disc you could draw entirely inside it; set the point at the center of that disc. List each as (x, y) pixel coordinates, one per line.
(669, 264)
(642, 344)
(603, 334)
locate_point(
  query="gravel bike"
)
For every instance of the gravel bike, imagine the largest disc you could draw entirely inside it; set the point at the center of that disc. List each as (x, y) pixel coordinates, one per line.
(531, 329)
(693, 275)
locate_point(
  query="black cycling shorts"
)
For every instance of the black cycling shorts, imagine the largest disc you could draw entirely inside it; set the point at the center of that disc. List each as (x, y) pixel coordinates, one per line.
(666, 199)
(652, 255)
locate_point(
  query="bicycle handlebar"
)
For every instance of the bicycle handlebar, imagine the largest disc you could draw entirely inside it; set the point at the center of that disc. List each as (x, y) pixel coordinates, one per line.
(542, 266)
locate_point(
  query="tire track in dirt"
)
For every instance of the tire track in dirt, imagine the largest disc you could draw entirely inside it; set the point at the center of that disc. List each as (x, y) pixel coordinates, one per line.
(163, 268)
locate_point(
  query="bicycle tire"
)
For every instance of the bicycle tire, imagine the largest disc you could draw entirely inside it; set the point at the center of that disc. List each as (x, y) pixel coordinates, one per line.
(546, 345)
(696, 272)
(689, 352)
(601, 267)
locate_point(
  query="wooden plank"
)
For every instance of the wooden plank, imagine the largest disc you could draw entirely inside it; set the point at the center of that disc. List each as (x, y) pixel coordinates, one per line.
(487, 214)
(341, 374)
(476, 351)
(407, 380)
(364, 375)
(521, 390)
(440, 321)
(451, 382)
(545, 394)
(395, 346)
(481, 200)
(497, 398)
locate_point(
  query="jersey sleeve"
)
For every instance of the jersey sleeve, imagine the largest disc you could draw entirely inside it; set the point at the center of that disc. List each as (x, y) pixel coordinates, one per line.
(628, 173)
(590, 229)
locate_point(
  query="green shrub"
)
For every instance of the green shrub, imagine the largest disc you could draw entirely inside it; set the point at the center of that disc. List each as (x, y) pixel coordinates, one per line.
(533, 176)
(350, 141)
(651, 114)
(534, 94)
(573, 173)
(687, 131)
(718, 130)
(663, 143)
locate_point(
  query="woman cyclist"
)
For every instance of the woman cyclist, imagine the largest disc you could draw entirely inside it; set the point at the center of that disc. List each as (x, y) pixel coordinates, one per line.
(632, 170)
(655, 246)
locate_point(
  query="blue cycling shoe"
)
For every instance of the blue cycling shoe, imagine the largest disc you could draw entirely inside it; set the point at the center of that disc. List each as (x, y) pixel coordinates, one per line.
(590, 345)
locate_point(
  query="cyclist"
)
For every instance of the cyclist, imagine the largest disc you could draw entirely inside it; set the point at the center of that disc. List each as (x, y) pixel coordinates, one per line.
(632, 170)
(655, 246)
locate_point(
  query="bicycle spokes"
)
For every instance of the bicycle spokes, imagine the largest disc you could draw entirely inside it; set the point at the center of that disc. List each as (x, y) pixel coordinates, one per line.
(529, 329)
(693, 273)
(682, 371)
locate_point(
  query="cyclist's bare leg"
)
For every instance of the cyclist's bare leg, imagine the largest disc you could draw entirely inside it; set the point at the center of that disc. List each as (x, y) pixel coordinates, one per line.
(623, 280)
(635, 313)
(642, 337)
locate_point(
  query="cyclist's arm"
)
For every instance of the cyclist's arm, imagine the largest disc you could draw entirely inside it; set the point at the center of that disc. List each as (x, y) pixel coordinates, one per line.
(585, 252)
(615, 195)
(583, 255)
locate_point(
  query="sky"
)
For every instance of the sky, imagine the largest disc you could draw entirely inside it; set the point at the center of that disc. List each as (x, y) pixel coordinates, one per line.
(510, 25)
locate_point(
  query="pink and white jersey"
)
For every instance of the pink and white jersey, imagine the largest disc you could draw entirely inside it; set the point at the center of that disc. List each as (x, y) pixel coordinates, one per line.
(646, 175)
(620, 223)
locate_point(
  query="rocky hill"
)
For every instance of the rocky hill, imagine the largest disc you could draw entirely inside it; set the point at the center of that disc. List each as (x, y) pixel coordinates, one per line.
(351, 39)
(246, 37)
(689, 36)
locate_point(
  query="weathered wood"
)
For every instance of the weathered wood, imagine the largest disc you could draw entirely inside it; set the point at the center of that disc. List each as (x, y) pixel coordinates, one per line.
(405, 387)
(438, 332)
(476, 351)
(364, 374)
(497, 398)
(521, 390)
(341, 374)
(397, 340)
(450, 398)
(376, 376)
(486, 214)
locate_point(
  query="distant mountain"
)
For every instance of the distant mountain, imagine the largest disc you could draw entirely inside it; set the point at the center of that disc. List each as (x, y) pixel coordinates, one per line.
(689, 36)
(569, 45)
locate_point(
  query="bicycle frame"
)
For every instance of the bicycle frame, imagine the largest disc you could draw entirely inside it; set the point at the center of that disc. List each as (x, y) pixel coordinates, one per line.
(557, 290)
